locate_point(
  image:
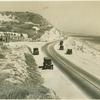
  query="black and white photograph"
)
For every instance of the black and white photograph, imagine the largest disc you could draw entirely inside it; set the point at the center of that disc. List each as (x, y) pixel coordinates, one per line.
(50, 50)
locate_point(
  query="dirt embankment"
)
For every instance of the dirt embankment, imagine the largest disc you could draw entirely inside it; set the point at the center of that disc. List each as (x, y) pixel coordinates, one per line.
(19, 76)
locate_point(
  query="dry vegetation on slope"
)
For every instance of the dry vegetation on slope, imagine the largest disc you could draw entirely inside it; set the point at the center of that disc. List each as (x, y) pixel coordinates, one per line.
(19, 77)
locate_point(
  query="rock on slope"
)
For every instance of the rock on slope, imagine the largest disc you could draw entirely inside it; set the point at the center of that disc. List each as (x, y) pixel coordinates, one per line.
(51, 35)
(9, 18)
(19, 77)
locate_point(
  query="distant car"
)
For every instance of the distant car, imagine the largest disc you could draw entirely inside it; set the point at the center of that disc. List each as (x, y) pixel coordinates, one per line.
(35, 51)
(47, 64)
(61, 42)
(61, 47)
(69, 51)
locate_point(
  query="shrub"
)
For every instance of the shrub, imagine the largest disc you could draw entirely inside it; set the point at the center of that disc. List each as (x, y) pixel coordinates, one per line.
(2, 56)
(4, 47)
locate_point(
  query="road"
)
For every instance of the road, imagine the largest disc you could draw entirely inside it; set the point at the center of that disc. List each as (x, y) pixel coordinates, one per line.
(53, 79)
(85, 81)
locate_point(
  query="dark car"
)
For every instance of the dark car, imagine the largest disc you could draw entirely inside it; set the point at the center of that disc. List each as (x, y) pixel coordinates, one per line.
(61, 47)
(47, 64)
(61, 42)
(35, 51)
(69, 51)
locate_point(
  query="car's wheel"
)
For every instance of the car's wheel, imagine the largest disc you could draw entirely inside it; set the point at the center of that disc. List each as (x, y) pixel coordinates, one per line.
(52, 67)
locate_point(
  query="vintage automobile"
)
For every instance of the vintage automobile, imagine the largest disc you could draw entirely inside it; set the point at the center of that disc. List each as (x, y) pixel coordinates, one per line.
(35, 51)
(47, 64)
(69, 51)
(61, 42)
(61, 47)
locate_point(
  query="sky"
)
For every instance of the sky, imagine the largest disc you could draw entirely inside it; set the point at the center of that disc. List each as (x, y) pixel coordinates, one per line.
(67, 16)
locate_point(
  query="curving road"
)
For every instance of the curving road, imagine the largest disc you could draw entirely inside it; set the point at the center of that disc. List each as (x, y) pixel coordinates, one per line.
(85, 81)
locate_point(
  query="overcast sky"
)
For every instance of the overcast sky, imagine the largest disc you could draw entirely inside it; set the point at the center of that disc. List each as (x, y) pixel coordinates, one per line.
(67, 16)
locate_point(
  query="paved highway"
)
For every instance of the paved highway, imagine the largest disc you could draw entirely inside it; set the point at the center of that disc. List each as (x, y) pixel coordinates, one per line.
(85, 81)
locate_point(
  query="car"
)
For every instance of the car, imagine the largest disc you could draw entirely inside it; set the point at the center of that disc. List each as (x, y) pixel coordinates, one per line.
(47, 64)
(61, 42)
(69, 51)
(35, 51)
(61, 47)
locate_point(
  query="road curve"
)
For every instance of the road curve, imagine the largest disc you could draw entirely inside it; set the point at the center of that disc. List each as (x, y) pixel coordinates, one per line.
(85, 81)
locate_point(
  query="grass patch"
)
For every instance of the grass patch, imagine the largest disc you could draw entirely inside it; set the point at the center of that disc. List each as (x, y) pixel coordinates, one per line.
(2, 56)
(13, 91)
(34, 76)
(30, 61)
(4, 47)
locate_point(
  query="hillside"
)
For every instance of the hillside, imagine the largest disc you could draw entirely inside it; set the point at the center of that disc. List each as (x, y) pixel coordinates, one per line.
(19, 74)
(52, 35)
(24, 22)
